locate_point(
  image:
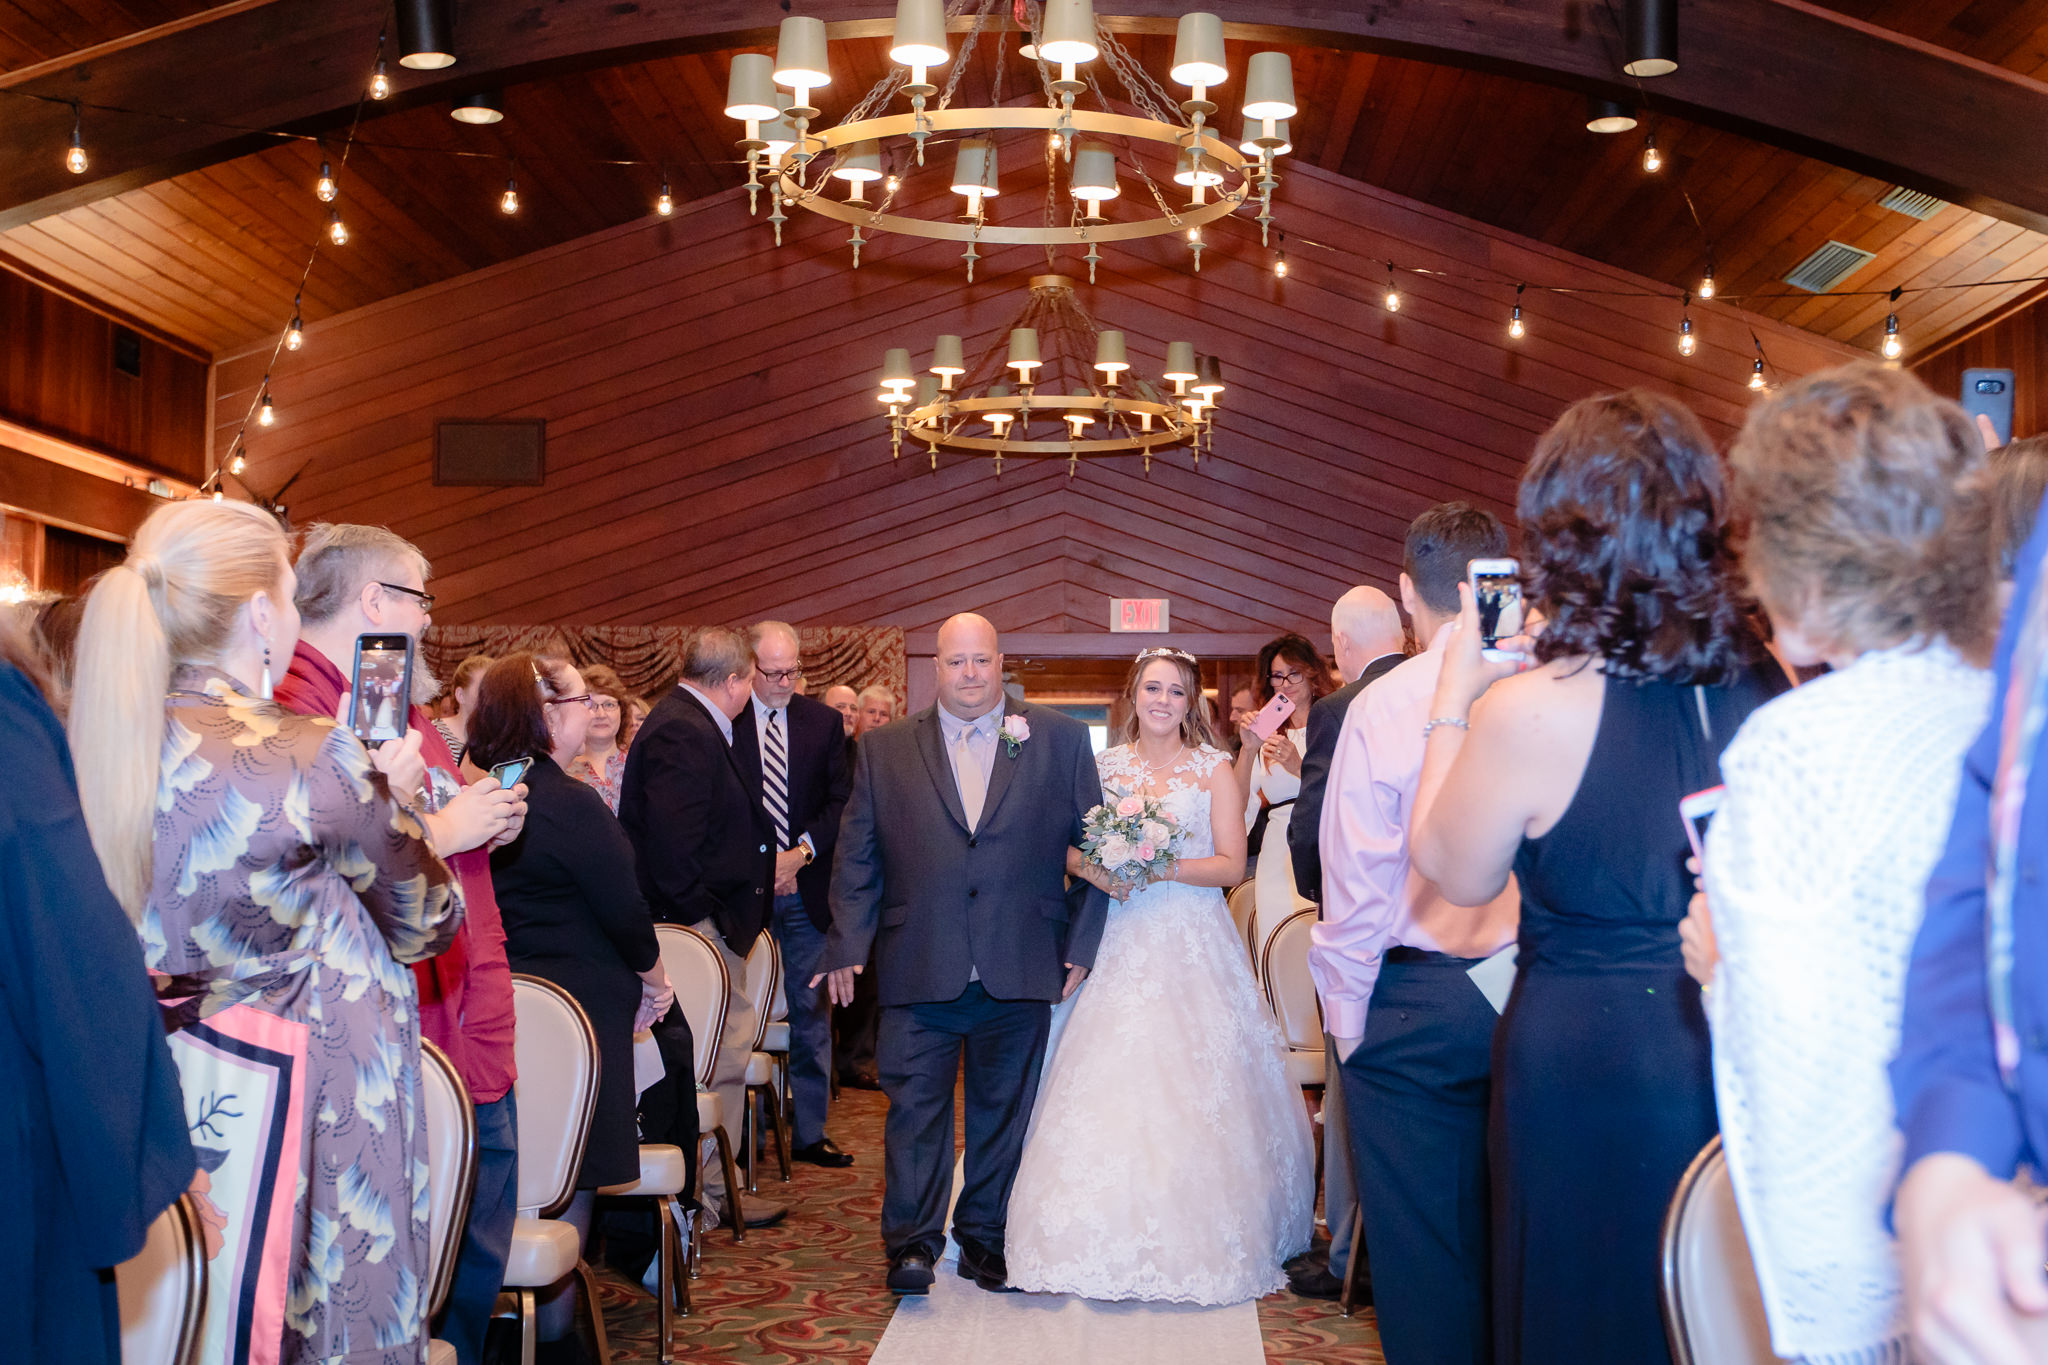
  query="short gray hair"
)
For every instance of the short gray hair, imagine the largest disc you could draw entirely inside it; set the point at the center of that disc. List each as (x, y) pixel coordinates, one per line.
(715, 654)
(760, 631)
(337, 559)
(877, 692)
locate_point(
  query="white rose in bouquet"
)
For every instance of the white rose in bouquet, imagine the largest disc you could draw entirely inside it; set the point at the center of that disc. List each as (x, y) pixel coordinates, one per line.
(1115, 852)
(1157, 834)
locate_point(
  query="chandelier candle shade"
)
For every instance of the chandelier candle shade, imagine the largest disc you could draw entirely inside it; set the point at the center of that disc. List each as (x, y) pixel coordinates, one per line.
(1091, 145)
(1054, 342)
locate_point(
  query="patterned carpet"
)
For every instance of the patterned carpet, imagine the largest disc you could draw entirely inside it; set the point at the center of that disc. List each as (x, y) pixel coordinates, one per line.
(810, 1289)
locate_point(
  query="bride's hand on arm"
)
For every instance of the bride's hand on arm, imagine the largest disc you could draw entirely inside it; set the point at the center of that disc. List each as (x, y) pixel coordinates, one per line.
(1079, 866)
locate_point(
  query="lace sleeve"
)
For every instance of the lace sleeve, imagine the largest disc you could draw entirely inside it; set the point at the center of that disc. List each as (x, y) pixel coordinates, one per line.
(1118, 768)
(1202, 762)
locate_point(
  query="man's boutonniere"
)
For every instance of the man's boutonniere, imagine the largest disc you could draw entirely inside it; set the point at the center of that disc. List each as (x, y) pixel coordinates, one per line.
(1016, 730)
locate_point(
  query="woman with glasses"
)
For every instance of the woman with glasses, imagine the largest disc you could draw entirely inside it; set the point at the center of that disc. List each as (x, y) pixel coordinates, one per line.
(603, 761)
(1269, 770)
(572, 907)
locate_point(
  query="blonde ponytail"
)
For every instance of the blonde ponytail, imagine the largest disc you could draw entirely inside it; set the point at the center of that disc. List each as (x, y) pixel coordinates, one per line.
(189, 570)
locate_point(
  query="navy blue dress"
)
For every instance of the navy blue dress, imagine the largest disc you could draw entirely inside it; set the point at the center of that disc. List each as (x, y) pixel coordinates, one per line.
(1602, 1091)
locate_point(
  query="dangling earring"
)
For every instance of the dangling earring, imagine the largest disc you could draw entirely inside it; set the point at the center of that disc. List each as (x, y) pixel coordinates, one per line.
(266, 671)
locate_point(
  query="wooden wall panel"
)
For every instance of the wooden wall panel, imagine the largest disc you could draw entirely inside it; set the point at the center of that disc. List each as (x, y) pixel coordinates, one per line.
(716, 451)
(2018, 342)
(57, 374)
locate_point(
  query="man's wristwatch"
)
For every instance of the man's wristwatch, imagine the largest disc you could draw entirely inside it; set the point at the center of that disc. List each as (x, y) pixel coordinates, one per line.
(810, 855)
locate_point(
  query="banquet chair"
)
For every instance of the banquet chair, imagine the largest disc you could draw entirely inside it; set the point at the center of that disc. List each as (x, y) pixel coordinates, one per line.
(162, 1290)
(775, 1042)
(764, 1082)
(1713, 1309)
(697, 974)
(1244, 901)
(555, 1050)
(1291, 993)
(451, 1179)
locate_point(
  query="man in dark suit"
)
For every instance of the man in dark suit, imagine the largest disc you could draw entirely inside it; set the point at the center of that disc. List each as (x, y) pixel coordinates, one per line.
(705, 848)
(793, 750)
(1365, 631)
(952, 866)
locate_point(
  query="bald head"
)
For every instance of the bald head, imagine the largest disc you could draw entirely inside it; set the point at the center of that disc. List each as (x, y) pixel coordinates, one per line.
(970, 666)
(846, 702)
(1364, 624)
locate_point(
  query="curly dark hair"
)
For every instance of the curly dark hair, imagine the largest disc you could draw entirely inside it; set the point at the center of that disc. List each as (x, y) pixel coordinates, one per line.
(1296, 650)
(1628, 547)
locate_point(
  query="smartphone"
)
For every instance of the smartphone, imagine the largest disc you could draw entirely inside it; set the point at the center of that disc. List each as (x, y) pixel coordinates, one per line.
(510, 771)
(1697, 811)
(1497, 589)
(1989, 393)
(1272, 716)
(382, 687)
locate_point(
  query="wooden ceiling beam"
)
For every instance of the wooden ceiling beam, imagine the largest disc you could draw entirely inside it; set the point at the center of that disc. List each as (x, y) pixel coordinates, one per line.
(1783, 72)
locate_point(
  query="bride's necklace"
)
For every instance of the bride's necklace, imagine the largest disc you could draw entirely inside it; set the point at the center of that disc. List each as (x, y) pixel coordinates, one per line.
(1152, 767)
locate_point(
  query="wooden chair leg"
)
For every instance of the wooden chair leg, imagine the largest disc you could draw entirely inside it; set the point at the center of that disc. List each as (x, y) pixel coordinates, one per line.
(596, 1310)
(736, 1209)
(751, 1140)
(679, 1277)
(664, 1280)
(1349, 1297)
(780, 1118)
(528, 1310)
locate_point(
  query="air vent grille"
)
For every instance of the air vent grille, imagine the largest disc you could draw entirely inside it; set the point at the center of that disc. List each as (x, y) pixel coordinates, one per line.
(1912, 203)
(1828, 267)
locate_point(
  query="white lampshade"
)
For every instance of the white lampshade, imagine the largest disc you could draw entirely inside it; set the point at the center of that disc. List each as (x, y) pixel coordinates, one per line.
(974, 168)
(920, 33)
(946, 356)
(1248, 141)
(1094, 177)
(896, 371)
(1198, 50)
(800, 59)
(1023, 350)
(750, 88)
(1209, 377)
(1193, 168)
(1080, 417)
(779, 133)
(860, 161)
(927, 392)
(1109, 353)
(1268, 86)
(1180, 360)
(1069, 32)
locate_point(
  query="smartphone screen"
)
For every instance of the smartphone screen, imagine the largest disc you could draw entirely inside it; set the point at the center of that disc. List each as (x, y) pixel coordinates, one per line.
(382, 687)
(1697, 811)
(1272, 715)
(1499, 598)
(510, 771)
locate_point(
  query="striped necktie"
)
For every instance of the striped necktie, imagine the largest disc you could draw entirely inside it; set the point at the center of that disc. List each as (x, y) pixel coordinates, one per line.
(775, 780)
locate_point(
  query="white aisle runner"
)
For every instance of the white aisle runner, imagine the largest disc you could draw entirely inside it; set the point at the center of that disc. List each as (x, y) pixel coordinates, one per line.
(960, 1323)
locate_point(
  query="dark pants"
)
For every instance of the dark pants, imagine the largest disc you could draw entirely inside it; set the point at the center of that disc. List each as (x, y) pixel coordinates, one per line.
(919, 1049)
(853, 1050)
(487, 1240)
(810, 1017)
(1416, 1092)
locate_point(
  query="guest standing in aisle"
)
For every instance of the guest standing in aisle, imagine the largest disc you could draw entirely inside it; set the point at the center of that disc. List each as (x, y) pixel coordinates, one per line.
(793, 752)
(706, 853)
(1570, 780)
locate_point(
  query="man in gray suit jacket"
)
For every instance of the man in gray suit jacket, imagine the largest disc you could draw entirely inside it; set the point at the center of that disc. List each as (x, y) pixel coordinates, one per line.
(952, 866)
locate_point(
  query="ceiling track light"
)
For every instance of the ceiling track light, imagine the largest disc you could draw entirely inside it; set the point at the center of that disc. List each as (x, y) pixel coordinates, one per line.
(425, 38)
(74, 155)
(1608, 116)
(480, 108)
(1893, 347)
(336, 233)
(1393, 294)
(1515, 328)
(1650, 35)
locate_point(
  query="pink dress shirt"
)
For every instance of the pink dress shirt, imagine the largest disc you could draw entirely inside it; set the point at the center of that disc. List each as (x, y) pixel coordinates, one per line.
(1372, 899)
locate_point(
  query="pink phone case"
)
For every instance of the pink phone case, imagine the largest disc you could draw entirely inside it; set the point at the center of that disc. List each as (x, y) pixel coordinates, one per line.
(1272, 716)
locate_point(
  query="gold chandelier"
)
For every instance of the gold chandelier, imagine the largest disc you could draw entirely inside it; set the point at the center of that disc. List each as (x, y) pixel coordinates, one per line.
(1049, 343)
(1091, 145)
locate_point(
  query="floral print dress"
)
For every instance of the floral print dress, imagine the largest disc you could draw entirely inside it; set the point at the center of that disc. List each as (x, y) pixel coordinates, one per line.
(289, 891)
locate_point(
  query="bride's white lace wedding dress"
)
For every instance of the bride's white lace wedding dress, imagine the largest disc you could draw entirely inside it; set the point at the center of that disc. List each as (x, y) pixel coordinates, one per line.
(1168, 1157)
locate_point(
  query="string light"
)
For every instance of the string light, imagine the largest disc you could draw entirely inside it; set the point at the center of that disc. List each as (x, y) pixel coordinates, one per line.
(295, 334)
(1515, 329)
(1393, 294)
(893, 183)
(1707, 280)
(1756, 374)
(237, 462)
(266, 411)
(324, 188)
(216, 495)
(1686, 342)
(74, 157)
(380, 82)
(336, 233)
(508, 202)
(1652, 161)
(1893, 347)
(664, 203)
(1280, 259)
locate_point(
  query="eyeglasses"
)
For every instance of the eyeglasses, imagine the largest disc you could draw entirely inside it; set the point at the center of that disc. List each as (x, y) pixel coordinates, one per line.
(1286, 678)
(426, 598)
(589, 702)
(604, 704)
(782, 675)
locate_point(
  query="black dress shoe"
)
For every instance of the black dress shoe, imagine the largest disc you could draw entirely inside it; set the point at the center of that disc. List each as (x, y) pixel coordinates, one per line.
(823, 1152)
(983, 1266)
(910, 1272)
(1316, 1282)
(860, 1080)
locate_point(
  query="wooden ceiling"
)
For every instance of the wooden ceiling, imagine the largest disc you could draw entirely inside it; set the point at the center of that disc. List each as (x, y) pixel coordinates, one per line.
(215, 255)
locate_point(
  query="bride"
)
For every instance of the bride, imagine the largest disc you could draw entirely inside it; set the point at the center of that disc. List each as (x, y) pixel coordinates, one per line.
(1168, 1157)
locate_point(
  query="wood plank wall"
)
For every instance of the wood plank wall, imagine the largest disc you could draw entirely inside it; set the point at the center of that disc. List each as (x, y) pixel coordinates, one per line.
(715, 450)
(57, 374)
(2017, 342)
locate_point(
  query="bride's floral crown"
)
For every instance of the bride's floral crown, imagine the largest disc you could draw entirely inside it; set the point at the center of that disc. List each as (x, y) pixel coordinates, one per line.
(1167, 652)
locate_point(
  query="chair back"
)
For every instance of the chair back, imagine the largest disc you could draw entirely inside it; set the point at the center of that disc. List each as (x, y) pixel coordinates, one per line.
(162, 1290)
(1713, 1309)
(451, 1167)
(1290, 990)
(764, 983)
(703, 987)
(555, 1049)
(1243, 901)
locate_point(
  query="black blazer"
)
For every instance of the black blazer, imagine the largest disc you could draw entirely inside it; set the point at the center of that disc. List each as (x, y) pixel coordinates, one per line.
(934, 900)
(705, 847)
(820, 776)
(1325, 723)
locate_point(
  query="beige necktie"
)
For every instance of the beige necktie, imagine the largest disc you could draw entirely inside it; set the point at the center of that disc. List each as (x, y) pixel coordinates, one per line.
(967, 771)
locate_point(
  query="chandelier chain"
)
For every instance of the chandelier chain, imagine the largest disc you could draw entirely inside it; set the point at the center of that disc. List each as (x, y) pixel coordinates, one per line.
(961, 62)
(1145, 92)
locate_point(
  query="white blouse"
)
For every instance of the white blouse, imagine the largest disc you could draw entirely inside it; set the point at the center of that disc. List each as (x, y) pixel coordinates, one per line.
(1839, 796)
(1275, 784)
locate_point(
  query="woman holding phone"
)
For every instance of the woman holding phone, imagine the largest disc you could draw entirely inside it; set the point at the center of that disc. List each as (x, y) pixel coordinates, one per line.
(572, 908)
(1291, 677)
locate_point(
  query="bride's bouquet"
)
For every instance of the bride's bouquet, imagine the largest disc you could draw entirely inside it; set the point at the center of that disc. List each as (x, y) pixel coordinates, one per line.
(1133, 839)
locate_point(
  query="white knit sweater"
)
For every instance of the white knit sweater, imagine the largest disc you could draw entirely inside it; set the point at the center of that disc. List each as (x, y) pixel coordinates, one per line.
(1839, 799)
